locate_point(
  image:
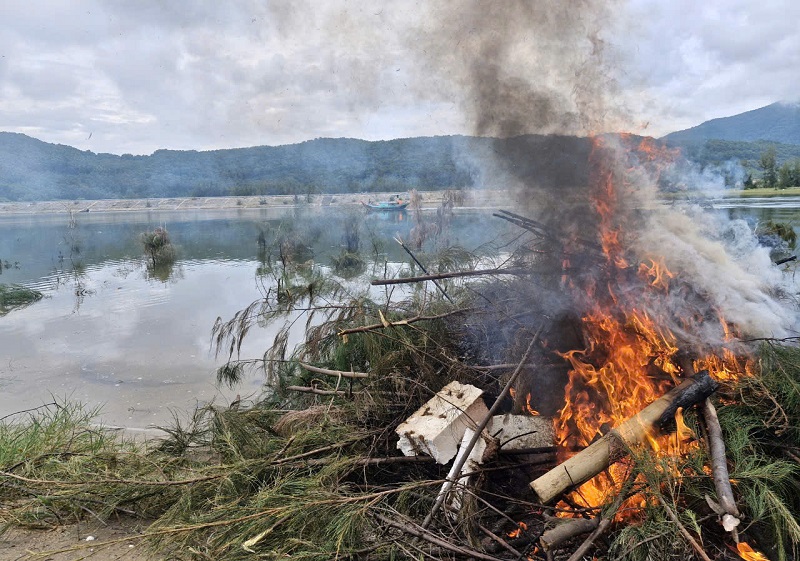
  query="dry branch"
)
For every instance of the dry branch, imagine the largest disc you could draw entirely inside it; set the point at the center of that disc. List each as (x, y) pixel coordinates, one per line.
(598, 456)
(309, 389)
(719, 465)
(452, 275)
(399, 240)
(419, 532)
(567, 530)
(338, 373)
(674, 517)
(503, 543)
(408, 321)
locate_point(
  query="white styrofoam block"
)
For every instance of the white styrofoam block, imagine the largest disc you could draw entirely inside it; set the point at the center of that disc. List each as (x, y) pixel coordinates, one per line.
(437, 427)
(517, 432)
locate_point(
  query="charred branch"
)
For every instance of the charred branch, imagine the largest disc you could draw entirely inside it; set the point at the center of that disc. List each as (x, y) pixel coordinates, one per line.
(567, 530)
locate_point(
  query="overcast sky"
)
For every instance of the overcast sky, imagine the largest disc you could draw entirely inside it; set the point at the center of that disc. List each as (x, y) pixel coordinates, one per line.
(135, 76)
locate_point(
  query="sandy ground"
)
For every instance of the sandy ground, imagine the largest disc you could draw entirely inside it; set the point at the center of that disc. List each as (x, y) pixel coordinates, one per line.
(116, 540)
(479, 198)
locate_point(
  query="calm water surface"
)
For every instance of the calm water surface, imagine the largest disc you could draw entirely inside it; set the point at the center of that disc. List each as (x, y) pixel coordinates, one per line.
(112, 332)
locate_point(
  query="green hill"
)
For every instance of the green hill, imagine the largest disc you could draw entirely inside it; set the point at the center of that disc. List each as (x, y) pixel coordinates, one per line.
(34, 170)
(779, 122)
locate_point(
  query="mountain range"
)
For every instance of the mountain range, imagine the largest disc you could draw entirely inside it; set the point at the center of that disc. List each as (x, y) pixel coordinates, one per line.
(778, 122)
(34, 170)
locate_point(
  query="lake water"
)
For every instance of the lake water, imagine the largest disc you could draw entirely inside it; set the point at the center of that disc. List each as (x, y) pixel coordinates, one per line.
(112, 332)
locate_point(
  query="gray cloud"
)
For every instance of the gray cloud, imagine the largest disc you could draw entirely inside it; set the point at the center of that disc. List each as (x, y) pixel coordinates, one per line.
(146, 75)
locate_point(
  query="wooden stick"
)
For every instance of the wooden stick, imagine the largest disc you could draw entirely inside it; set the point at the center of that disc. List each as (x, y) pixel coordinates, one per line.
(456, 469)
(424, 534)
(408, 321)
(612, 447)
(308, 389)
(339, 373)
(452, 275)
(719, 465)
(567, 530)
(674, 517)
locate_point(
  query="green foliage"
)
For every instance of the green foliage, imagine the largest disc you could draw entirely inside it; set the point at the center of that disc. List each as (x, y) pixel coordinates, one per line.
(778, 122)
(781, 230)
(158, 247)
(57, 465)
(717, 153)
(15, 296)
(768, 165)
(789, 174)
(34, 170)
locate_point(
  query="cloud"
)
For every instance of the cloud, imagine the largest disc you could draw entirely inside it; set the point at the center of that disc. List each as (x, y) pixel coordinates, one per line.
(158, 74)
(687, 62)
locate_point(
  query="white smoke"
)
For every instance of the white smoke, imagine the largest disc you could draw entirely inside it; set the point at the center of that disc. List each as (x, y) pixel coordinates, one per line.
(723, 261)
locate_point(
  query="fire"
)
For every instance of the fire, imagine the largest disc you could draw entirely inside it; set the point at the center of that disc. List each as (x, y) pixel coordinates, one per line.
(528, 407)
(517, 532)
(631, 356)
(749, 554)
(531, 410)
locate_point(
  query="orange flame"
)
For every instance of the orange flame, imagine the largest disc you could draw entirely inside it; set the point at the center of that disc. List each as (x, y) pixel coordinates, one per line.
(749, 554)
(631, 356)
(530, 409)
(518, 531)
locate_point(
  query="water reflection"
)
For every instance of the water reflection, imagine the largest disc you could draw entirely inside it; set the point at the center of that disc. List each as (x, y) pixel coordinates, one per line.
(136, 338)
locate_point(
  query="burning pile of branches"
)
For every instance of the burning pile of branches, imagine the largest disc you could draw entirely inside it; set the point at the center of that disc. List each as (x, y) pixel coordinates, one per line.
(587, 341)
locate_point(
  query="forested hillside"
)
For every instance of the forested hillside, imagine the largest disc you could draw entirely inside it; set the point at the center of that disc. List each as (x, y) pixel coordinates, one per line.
(34, 170)
(779, 123)
(718, 152)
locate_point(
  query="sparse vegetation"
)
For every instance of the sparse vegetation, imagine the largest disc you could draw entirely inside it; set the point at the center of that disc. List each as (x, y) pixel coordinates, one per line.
(158, 247)
(16, 296)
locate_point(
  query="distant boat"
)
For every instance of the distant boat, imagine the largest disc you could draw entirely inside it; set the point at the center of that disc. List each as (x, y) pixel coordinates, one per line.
(394, 203)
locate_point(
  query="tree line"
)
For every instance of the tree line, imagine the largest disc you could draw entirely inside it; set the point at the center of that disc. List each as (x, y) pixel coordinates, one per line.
(774, 176)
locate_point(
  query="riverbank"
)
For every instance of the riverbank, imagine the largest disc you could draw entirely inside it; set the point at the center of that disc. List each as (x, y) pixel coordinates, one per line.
(482, 198)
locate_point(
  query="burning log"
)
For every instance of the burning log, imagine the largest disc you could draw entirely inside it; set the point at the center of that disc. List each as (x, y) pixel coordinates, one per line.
(657, 416)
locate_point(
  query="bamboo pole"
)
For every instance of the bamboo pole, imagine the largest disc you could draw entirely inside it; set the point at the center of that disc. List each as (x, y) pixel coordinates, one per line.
(612, 447)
